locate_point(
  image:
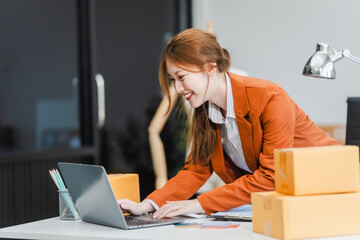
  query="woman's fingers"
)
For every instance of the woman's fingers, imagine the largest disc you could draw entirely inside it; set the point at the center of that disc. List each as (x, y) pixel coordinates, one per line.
(170, 209)
(165, 210)
(134, 207)
(129, 206)
(123, 201)
(125, 205)
(174, 208)
(176, 212)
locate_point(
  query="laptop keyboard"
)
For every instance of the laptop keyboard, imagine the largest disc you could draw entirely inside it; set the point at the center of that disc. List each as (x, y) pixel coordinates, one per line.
(145, 219)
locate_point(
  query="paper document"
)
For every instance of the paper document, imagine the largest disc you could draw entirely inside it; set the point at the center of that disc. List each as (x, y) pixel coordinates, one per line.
(242, 212)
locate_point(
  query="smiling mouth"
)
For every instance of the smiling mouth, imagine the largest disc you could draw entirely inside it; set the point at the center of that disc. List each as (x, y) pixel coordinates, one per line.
(188, 95)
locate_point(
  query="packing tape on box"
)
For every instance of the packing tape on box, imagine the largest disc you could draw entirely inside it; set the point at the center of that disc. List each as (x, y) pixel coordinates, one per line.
(267, 228)
(267, 203)
(282, 164)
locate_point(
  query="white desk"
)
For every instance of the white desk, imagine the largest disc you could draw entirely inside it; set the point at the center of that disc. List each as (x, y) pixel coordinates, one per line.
(55, 229)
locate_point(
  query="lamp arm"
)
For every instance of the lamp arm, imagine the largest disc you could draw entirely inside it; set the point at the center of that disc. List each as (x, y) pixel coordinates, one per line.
(344, 53)
(354, 58)
(337, 55)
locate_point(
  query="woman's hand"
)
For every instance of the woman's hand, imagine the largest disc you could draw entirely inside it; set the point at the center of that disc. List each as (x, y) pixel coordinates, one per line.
(134, 207)
(174, 208)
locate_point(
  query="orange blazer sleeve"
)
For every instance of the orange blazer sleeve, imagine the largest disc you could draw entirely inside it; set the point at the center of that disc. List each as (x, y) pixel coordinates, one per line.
(184, 185)
(278, 121)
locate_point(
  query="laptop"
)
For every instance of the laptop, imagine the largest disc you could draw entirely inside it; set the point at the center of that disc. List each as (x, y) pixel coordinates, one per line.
(94, 198)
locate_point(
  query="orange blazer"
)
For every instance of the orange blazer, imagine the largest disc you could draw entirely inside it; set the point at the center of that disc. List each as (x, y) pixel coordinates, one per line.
(267, 119)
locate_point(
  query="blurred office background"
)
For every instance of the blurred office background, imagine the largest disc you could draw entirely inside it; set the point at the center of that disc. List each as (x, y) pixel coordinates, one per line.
(274, 39)
(51, 51)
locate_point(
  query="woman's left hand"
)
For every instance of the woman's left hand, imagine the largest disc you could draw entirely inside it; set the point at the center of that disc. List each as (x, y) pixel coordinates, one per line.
(174, 208)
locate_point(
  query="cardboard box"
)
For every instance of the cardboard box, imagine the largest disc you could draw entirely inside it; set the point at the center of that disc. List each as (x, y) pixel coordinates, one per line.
(295, 217)
(317, 170)
(125, 186)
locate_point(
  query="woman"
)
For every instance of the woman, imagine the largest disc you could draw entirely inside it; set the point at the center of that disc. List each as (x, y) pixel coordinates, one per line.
(238, 122)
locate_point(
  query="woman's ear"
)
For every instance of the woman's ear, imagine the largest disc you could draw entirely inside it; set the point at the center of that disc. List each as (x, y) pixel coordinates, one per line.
(211, 68)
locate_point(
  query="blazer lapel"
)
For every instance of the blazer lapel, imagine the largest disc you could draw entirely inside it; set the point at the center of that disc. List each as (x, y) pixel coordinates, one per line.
(242, 109)
(245, 130)
(217, 160)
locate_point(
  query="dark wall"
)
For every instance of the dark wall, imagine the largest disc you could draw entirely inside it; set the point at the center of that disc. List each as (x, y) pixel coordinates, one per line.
(50, 52)
(128, 37)
(38, 62)
(127, 40)
(39, 104)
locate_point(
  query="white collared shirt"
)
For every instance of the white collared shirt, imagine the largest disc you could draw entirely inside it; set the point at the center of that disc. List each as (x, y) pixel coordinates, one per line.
(230, 136)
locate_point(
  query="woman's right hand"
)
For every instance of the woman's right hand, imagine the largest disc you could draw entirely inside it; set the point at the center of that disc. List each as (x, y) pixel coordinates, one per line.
(134, 207)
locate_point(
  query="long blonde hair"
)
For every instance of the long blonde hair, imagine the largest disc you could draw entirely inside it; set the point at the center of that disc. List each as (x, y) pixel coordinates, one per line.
(195, 47)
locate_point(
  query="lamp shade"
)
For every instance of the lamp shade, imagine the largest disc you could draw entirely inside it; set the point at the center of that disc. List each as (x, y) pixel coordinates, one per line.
(320, 64)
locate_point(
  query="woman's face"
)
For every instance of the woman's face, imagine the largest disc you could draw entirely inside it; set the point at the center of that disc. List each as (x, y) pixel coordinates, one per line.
(191, 83)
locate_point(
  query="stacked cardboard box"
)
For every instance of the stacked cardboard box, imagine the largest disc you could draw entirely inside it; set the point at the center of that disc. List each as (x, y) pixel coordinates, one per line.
(317, 194)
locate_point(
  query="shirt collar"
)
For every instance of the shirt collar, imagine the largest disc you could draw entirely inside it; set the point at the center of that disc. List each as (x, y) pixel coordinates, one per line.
(214, 111)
